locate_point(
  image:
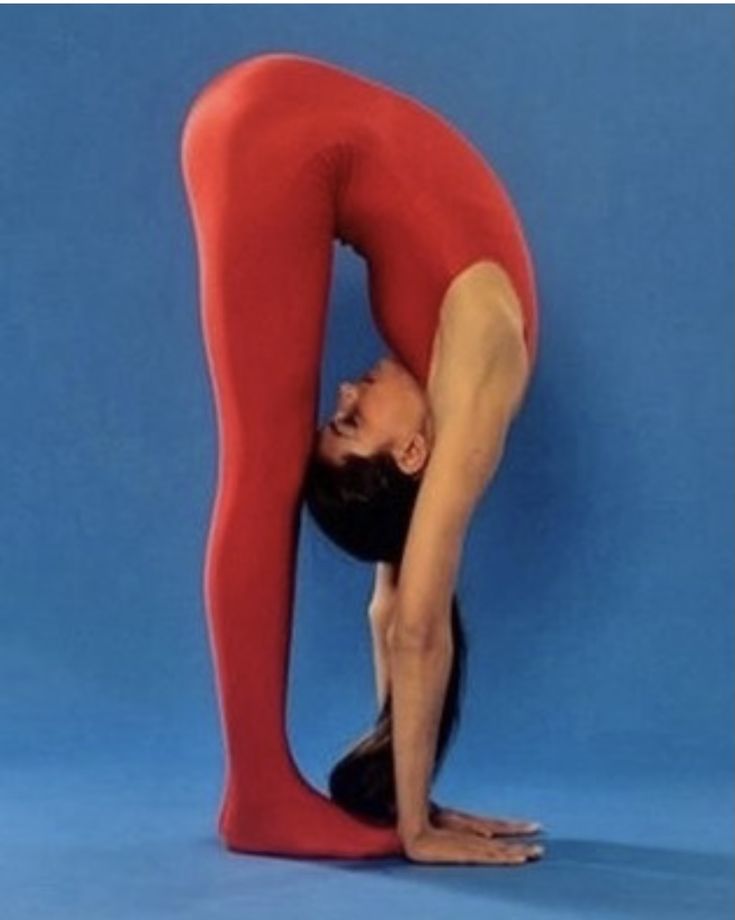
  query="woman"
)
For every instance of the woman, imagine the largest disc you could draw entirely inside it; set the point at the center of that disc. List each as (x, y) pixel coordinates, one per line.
(281, 154)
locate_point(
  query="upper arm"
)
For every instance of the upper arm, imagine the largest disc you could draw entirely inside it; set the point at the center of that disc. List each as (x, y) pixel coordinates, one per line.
(473, 419)
(469, 443)
(486, 340)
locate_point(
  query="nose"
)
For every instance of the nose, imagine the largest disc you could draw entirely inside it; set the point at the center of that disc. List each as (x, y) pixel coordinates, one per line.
(347, 393)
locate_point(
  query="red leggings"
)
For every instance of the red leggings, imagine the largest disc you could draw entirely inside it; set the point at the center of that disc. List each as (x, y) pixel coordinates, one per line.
(281, 154)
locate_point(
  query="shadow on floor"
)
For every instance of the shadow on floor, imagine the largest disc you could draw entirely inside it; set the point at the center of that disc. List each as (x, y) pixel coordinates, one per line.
(582, 877)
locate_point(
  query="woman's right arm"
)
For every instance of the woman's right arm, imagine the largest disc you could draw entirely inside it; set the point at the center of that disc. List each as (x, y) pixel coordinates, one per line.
(380, 617)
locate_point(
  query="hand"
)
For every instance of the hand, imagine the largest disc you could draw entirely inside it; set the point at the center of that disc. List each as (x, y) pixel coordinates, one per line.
(463, 822)
(436, 845)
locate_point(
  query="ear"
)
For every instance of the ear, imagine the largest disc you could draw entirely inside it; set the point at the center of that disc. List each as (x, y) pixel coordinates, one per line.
(412, 456)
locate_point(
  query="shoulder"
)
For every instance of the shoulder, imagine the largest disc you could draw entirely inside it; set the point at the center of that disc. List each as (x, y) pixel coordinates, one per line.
(481, 349)
(480, 381)
(482, 296)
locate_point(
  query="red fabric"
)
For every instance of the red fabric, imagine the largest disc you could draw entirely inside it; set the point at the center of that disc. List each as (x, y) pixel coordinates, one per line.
(281, 155)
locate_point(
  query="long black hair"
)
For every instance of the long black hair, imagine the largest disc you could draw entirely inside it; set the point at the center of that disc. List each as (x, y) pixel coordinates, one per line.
(364, 506)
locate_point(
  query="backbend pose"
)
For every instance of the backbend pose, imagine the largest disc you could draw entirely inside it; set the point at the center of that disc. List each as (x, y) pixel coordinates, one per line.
(281, 154)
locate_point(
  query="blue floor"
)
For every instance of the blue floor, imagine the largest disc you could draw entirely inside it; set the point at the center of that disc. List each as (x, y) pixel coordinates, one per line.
(130, 841)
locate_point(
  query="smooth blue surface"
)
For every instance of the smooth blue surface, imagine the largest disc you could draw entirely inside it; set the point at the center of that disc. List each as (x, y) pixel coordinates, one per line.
(596, 584)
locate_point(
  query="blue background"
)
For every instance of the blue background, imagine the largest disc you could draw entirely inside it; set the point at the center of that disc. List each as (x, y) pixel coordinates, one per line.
(596, 582)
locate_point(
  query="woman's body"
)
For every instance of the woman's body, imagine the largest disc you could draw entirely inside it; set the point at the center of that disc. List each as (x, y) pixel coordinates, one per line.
(270, 185)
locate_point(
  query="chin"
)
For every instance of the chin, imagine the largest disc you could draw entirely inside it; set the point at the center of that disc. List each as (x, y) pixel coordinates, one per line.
(392, 365)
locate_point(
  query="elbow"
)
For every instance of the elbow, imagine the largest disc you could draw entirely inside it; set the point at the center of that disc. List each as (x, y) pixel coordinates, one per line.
(424, 637)
(380, 616)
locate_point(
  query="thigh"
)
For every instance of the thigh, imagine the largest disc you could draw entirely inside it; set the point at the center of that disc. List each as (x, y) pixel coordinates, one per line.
(263, 213)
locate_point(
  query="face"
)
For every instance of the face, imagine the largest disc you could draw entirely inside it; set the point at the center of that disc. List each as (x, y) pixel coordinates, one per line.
(384, 409)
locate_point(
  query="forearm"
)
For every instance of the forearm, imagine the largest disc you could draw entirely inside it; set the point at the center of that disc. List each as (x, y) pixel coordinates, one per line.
(379, 631)
(419, 673)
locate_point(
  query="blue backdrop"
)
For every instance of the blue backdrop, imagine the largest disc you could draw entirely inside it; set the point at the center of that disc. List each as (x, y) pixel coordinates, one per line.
(596, 582)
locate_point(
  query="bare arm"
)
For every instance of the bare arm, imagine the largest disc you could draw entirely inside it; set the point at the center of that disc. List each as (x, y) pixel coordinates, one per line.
(380, 615)
(467, 451)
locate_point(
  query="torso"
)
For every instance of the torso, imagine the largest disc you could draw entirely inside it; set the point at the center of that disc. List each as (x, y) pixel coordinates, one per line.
(399, 184)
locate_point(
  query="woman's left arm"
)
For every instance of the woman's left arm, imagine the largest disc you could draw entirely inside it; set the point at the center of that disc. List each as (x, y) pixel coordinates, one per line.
(380, 613)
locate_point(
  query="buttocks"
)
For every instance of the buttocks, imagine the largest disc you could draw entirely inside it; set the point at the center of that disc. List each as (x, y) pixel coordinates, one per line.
(366, 148)
(398, 183)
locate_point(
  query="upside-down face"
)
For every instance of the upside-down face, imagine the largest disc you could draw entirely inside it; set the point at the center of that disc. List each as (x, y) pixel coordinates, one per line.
(385, 409)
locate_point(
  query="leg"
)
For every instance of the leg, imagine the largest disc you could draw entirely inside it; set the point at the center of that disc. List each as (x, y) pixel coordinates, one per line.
(263, 225)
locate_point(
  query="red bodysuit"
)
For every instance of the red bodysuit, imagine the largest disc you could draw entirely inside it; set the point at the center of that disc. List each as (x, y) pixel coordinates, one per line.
(281, 155)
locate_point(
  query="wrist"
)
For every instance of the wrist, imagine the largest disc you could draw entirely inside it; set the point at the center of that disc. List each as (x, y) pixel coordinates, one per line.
(410, 831)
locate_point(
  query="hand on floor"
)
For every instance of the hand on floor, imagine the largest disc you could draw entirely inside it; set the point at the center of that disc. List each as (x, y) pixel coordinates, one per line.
(455, 820)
